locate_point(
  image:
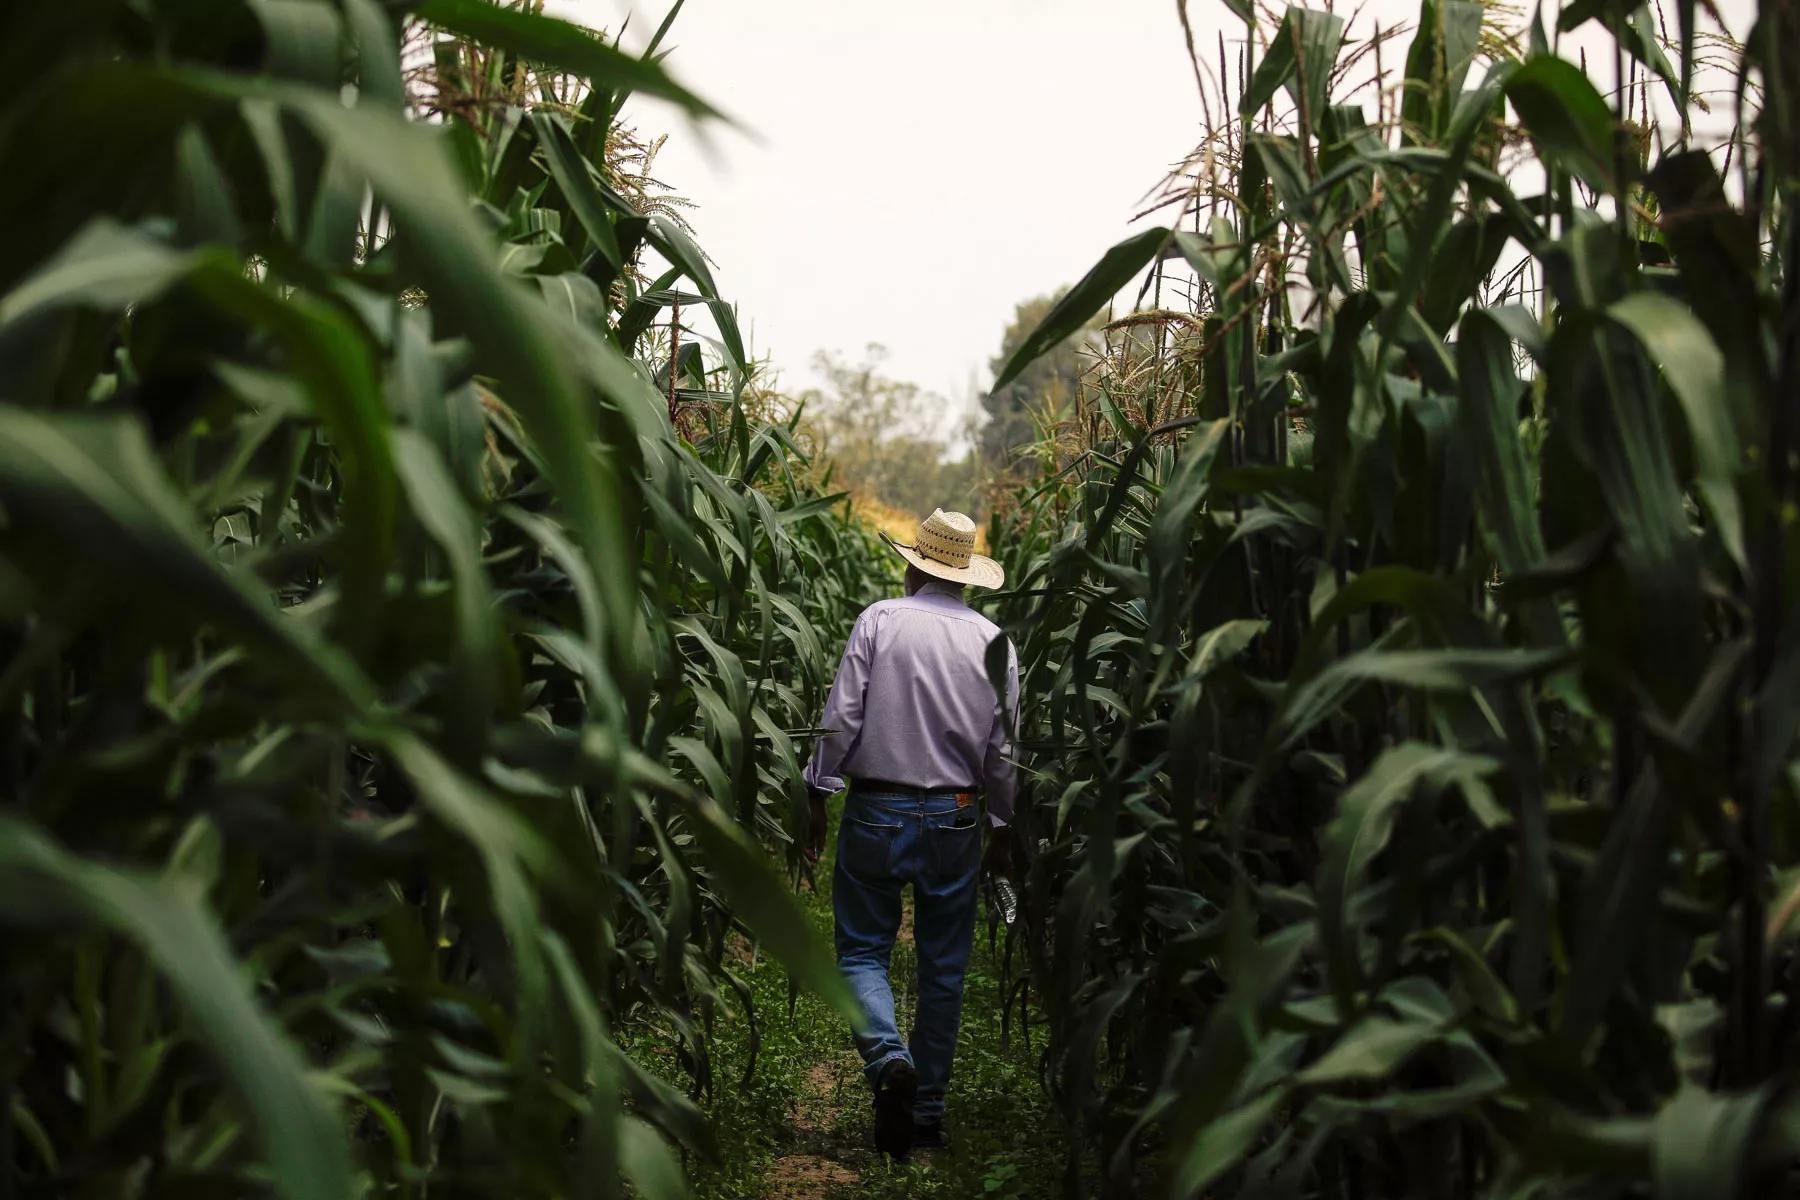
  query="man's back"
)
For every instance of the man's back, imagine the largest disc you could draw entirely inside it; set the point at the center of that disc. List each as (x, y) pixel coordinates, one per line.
(912, 703)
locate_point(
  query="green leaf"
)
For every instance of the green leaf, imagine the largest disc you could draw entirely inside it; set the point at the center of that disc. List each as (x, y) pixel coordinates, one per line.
(559, 44)
(725, 319)
(743, 873)
(597, 1161)
(1615, 420)
(377, 54)
(1565, 116)
(512, 853)
(796, 513)
(1217, 256)
(1275, 68)
(649, 1162)
(1437, 63)
(94, 482)
(112, 267)
(1695, 369)
(263, 120)
(1366, 814)
(1171, 530)
(303, 1137)
(1305, 46)
(1450, 670)
(1086, 298)
(1617, 905)
(507, 325)
(1702, 1143)
(1372, 1049)
(1461, 22)
(331, 356)
(204, 208)
(565, 554)
(1684, 16)
(1221, 644)
(1484, 986)
(1488, 424)
(440, 508)
(1632, 25)
(1221, 1144)
(104, 266)
(302, 40)
(570, 170)
(673, 243)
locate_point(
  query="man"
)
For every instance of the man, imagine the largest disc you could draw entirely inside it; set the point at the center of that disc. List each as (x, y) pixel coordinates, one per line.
(915, 724)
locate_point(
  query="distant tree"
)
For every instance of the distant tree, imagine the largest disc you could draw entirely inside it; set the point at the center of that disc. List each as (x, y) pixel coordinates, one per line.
(1046, 387)
(882, 436)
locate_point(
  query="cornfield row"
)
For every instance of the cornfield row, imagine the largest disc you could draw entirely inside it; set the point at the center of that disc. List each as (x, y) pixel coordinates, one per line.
(410, 636)
(394, 705)
(1411, 671)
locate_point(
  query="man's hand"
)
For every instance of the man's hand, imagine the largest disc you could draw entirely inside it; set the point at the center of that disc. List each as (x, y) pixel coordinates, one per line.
(999, 858)
(815, 824)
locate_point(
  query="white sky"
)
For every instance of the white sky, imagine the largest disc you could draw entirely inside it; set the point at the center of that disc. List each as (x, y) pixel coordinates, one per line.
(915, 168)
(919, 167)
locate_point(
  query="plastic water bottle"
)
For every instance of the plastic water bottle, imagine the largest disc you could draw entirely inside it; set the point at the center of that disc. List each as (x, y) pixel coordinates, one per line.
(1007, 897)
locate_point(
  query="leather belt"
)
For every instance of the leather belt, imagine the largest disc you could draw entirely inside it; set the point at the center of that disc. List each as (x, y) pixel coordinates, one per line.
(906, 789)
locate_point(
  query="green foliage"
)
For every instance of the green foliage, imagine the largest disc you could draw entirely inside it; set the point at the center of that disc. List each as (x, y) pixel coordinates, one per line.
(1409, 686)
(800, 1125)
(396, 706)
(883, 439)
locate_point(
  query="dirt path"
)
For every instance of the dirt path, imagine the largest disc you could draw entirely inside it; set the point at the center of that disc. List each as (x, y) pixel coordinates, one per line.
(800, 1126)
(824, 1161)
(831, 1119)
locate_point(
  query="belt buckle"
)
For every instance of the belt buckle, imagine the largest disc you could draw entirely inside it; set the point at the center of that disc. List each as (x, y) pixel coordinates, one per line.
(965, 799)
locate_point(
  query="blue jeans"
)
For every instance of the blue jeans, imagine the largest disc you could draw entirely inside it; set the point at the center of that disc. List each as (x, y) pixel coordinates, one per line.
(886, 841)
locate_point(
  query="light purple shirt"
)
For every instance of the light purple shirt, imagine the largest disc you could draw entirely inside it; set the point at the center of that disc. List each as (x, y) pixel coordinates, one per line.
(912, 703)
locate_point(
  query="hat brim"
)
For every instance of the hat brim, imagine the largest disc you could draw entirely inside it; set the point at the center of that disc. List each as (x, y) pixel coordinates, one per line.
(982, 571)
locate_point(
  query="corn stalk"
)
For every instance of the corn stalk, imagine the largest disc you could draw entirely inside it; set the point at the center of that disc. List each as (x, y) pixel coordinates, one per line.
(1409, 644)
(396, 707)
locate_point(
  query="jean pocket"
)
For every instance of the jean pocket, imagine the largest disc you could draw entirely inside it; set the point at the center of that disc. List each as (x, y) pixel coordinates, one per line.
(867, 847)
(955, 841)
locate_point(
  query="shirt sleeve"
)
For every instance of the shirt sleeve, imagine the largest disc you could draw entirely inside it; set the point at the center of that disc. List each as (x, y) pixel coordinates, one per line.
(1002, 776)
(843, 717)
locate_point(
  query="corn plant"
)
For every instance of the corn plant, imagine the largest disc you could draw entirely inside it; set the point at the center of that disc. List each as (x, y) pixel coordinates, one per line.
(396, 704)
(1410, 655)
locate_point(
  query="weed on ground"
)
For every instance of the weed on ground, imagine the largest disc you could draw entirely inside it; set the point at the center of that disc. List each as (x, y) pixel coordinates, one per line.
(800, 1128)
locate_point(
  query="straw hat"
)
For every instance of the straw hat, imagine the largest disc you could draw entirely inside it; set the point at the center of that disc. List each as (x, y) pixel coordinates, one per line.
(945, 548)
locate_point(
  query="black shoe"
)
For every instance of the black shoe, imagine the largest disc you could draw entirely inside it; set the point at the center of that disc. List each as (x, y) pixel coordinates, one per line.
(894, 1108)
(930, 1137)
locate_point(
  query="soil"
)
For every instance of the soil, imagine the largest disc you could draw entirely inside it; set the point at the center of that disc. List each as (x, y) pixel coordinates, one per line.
(827, 1154)
(832, 1119)
(805, 1177)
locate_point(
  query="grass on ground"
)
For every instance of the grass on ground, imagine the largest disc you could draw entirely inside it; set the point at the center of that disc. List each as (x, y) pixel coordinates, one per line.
(800, 1129)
